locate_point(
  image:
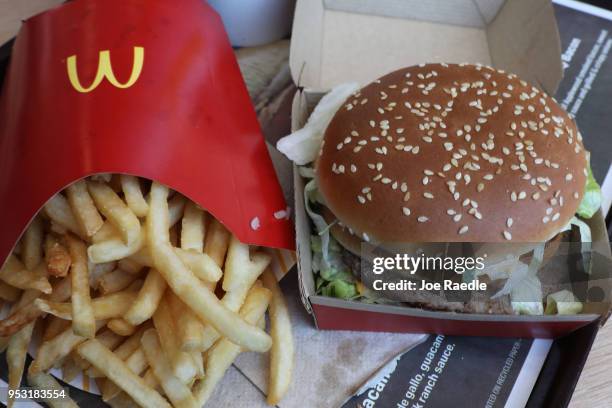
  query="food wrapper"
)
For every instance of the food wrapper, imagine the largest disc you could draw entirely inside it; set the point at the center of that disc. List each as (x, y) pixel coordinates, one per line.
(145, 88)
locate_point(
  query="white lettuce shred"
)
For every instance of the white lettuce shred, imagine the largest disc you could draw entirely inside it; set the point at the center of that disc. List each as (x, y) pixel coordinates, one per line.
(302, 146)
(524, 286)
(563, 302)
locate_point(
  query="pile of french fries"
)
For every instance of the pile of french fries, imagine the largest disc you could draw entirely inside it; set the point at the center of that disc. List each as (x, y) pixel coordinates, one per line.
(140, 289)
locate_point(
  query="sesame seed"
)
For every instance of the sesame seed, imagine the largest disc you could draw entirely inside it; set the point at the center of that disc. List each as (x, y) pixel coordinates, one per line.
(422, 218)
(428, 195)
(569, 177)
(406, 211)
(361, 199)
(463, 230)
(457, 217)
(407, 196)
(425, 180)
(513, 196)
(450, 211)
(507, 235)
(546, 219)
(556, 216)
(509, 222)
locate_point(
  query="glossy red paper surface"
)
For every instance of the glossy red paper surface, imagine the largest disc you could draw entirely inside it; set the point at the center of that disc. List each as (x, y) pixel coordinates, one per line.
(187, 121)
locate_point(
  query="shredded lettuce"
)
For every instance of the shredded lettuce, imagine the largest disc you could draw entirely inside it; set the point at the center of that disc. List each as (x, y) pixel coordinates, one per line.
(310, 194)
(591, 202)
(563, 302)
(522, 295)
(302, 146)
(523, 285)
(339, 289)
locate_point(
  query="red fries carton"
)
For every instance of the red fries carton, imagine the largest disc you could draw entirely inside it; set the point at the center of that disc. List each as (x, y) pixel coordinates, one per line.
(145, 88)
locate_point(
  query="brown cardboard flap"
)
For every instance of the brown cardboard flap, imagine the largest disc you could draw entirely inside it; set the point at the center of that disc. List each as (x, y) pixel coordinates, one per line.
(525, 40)
(338, 41)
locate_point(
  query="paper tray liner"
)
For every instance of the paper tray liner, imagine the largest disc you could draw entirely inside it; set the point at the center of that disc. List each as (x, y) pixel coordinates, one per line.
(171, 106)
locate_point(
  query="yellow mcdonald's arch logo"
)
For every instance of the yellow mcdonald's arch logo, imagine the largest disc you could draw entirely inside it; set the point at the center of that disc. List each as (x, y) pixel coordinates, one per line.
(105, 70)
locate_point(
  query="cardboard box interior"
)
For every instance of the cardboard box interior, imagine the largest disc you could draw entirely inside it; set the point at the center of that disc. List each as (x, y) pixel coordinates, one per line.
(329, 40)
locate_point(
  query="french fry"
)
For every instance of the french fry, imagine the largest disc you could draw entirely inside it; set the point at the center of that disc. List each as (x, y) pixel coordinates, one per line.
(201, 265)
(238, 257)
(136, 362)
(189, 288)
(221, 356)
(176, 207)
(122, 400)
(70, 369)
(53, 327)
(148, 298)
(57, 257)
(217, 241)
(14, 273)
(57, 229)
(121, 327)
(150, 379)
(106, 232)
(192, 228)
(114, 281)
(114, 249)
(282, 352)
(182, 364)
(130, 266)
(198, 360)
(16, 356)
(104, 307)
(83, 208)
(60, 213)
(31, 252)
(108, 338)
(189, 328)
(46, 382)
(25, 311)
(124, 350)
(4, 341)
(54, 350)
(115, 210)
(133, 195)
(176, 391)
(247, 276)
(97, 271)
(102, 177)
(83, 319)
(117, 371)
(8, 292)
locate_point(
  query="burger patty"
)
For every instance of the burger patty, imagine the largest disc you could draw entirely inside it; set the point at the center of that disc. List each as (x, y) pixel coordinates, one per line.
(477, 303)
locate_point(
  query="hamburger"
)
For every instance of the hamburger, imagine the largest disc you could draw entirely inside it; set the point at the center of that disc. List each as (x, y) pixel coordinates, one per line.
(440, 153)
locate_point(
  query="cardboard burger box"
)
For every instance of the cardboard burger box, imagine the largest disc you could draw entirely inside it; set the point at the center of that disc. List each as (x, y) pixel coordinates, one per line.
(340, 41)
(150, 89)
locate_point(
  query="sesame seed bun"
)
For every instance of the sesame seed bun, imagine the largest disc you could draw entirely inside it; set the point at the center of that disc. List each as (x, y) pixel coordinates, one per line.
(447, 153)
